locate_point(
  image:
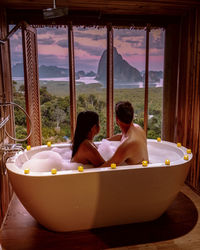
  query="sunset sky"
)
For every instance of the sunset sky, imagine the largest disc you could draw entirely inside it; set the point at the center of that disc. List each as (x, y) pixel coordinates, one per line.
(89, 46)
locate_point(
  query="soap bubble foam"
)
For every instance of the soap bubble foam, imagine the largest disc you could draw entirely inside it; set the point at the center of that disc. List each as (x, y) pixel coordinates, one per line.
(49, 154)
(107, 149)
(65, 153)
(60, 158)
(42, 165)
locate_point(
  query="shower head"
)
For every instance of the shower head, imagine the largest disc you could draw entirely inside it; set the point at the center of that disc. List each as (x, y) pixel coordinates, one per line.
(54, 12)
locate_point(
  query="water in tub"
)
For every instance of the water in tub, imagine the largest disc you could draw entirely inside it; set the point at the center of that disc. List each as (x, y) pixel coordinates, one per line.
(59, 158)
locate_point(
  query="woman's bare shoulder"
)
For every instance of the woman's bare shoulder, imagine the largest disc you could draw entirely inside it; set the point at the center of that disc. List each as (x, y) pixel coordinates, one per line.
(86, 144)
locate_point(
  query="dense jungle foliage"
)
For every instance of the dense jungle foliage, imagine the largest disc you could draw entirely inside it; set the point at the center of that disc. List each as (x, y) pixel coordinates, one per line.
(55, 108)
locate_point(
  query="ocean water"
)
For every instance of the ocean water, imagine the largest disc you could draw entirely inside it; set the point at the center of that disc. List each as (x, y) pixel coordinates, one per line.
(90, 80)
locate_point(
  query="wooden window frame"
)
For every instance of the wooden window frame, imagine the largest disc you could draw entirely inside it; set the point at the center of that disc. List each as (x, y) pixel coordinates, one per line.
(109, 86)
(110, 82)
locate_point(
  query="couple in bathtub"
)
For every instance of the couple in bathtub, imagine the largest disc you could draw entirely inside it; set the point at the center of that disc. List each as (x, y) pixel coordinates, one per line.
(132, 149)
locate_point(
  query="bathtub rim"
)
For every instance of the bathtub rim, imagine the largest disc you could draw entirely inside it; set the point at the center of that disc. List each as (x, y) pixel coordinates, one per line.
(11, 166)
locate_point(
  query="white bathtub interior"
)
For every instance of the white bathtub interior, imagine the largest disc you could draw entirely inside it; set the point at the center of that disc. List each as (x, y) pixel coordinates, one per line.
(159, 152)
(43, 158)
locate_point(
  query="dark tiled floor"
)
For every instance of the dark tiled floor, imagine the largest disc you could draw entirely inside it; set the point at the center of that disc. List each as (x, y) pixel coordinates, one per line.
(178, 228)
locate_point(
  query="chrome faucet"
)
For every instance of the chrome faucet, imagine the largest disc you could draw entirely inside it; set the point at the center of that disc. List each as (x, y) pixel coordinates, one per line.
(7, 151)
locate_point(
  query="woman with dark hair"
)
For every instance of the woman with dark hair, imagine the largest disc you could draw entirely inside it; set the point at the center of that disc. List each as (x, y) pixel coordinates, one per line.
(83, 148)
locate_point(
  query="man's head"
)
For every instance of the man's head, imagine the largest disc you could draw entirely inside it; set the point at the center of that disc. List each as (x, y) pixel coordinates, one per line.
(124, 112)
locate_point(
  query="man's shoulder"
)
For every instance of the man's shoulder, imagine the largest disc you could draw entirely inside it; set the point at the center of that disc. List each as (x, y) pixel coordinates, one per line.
(128, 142)
(137, 126)
(138, 130)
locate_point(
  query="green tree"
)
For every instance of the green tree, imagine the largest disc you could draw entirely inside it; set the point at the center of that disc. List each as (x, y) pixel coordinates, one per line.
(45, 96)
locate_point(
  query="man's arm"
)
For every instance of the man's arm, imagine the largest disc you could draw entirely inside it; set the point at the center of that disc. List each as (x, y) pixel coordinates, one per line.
(116, 137)
(119, 156)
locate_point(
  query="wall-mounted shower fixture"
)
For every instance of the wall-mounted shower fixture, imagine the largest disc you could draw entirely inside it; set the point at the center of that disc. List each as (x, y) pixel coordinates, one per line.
(9, 150)
(3, 123)
(54, 12)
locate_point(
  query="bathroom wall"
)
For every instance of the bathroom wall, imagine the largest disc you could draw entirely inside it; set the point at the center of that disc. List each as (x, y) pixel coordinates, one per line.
(5, 95)
(181, 100)
(5, 187)
(188, 93)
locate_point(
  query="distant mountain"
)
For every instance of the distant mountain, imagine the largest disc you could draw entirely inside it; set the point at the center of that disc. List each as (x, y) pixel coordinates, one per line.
(82, 73)
(18, 70)
(44, 71)
(154, 76)
(50, 72)
(91, 74)
(123, 71)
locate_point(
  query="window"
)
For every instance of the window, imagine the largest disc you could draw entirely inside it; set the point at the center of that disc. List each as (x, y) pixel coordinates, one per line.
(54, 83)
(18, 83)
(90, 64)
(129, 66)
(156, 65)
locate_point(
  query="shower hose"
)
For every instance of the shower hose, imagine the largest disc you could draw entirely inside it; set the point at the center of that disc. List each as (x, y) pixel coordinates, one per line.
(6, 104)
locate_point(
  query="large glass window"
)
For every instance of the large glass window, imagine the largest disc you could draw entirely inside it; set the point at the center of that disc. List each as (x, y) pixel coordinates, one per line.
(90, 51)
(90, 65)
(129, 66)
(17, 67)
(156, 65)
(54, 83)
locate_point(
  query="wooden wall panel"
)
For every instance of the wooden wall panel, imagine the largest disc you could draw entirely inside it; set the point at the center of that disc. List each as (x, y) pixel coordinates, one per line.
(170, 81)
(6, 93)
(5, 96)
(188, 93)
(31, 81)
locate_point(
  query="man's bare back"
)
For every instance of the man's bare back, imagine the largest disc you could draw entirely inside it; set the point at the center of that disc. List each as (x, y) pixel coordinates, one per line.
(132, 149)
(135, 144)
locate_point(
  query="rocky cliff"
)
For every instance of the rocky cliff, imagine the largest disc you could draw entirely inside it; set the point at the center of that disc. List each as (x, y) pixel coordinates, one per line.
(123, 71)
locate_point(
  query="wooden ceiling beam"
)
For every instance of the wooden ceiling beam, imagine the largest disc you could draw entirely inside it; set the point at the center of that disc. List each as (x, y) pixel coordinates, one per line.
(112, 6)
(35, 17)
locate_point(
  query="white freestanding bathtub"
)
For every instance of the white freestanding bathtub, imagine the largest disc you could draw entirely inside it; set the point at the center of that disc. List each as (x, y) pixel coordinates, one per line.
(97, 197)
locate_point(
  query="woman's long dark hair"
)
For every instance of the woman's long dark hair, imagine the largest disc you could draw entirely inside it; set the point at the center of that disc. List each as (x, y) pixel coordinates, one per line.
(85, 121)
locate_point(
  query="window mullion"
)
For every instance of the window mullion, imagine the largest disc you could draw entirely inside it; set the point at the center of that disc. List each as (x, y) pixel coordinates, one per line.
(109, 80)
(72, 80)
(31, 83)
(146, 81)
